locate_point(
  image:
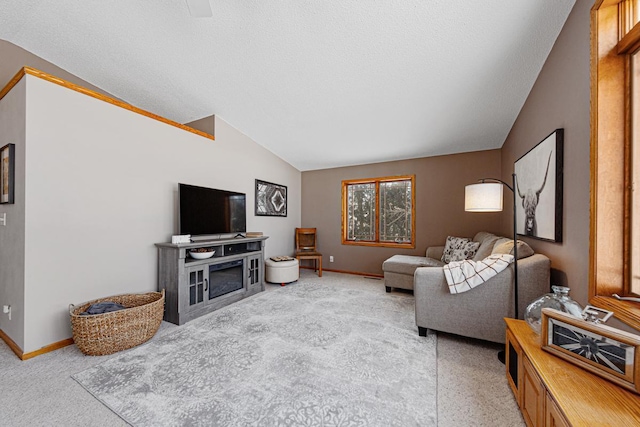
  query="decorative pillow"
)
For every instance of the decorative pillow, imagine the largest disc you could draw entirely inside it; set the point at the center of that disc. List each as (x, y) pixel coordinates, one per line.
(458, 249)
(487, 241)
(505, 246)
(465, 252)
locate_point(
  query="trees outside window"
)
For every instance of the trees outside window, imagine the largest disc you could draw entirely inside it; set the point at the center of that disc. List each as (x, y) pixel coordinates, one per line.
(379, 211)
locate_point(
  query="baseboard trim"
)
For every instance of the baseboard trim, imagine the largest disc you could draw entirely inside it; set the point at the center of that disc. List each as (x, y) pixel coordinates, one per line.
(25, 356)
(11, 343)
(357, 273)
(48, 348)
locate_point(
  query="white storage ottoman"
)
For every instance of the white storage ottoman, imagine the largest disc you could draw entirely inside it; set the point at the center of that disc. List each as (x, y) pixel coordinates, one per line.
(281, 271)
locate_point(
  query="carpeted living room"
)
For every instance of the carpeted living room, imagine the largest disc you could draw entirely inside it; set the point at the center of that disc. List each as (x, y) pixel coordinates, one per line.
(319, 213)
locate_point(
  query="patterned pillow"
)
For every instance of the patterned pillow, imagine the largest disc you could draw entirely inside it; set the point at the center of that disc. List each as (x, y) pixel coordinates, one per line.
(468, 251)
(458, 249)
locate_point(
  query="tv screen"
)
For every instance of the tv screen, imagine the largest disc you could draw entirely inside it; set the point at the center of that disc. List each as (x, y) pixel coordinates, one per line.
(209, 211)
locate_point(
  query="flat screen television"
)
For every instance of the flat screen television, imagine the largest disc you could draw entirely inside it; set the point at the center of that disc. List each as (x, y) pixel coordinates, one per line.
(207, 211)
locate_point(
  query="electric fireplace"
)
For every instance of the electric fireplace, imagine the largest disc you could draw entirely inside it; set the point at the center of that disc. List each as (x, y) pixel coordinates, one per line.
(225, 277)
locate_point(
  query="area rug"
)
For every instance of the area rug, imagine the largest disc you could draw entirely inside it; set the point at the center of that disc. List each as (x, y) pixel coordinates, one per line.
(327, 351)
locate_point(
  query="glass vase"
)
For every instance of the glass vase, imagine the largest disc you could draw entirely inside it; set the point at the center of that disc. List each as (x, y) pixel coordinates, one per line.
(558, 299)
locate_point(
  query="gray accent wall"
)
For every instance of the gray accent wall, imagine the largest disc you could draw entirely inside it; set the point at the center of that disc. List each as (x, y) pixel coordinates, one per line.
(12, 235)
(560, 99)
(440, 183)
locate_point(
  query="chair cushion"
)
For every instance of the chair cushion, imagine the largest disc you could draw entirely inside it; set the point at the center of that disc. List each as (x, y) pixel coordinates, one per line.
(458, 249)
(307, 253)
(407, 264)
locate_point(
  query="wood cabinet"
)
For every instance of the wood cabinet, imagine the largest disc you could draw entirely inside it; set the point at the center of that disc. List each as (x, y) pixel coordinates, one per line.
(532, 396)
(552, 392)
(194, 287)
(553, 415)
(513, 363)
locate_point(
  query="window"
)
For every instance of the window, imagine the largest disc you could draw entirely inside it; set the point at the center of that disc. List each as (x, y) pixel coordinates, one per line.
(615, 140)
(379, 212)
(634, 285)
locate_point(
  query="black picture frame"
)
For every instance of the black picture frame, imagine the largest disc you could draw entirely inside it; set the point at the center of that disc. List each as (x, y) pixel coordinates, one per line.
(7, 173)
(539, 183)
(271, 199)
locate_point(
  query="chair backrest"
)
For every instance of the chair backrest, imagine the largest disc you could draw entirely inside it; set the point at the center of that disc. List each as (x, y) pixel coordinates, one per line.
(305, 239)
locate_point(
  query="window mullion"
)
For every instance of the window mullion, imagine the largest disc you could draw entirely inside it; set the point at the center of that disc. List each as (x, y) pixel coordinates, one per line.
(377, 214)
(408, 205)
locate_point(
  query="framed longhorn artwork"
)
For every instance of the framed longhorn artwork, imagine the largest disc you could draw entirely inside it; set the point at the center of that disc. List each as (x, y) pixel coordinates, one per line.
(538, 189)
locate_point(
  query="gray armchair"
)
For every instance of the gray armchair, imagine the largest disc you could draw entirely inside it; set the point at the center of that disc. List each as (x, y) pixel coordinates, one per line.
(479, 312)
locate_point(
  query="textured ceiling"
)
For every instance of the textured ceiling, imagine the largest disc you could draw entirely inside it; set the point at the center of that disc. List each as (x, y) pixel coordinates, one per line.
(320, 83)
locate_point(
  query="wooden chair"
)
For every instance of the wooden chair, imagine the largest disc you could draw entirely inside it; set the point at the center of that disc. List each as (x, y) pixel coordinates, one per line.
(306, 247)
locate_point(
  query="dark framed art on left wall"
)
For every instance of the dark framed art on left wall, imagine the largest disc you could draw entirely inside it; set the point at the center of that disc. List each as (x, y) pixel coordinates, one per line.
(7, 173)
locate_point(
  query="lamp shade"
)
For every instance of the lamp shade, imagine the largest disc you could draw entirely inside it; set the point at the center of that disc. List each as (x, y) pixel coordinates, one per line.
(483, 197)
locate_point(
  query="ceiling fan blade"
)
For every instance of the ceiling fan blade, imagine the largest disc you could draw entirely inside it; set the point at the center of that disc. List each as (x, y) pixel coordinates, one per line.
(199, 8)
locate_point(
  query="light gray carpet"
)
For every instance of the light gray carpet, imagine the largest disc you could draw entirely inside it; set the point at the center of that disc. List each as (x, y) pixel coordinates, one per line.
(472, 388)
(315, 353)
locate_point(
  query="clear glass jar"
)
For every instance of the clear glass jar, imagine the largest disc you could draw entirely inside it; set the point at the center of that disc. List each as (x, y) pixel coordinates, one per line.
(558, 299)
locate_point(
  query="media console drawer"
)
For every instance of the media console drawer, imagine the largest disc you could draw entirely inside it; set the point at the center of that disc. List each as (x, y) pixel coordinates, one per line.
(237, 248)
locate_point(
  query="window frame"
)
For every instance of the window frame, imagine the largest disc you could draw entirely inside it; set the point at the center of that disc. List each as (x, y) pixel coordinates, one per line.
(376, 242)
(615, 36)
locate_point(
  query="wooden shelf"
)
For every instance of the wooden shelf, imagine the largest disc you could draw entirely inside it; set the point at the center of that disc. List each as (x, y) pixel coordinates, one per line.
(581, 398)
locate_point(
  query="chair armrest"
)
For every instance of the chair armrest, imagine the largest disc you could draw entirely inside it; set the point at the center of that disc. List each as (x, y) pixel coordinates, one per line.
(435, 252)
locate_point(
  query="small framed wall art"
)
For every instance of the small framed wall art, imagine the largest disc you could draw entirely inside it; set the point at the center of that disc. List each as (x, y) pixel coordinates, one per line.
(538, 189)
(7, 173)
(608, 352)
(271, 199)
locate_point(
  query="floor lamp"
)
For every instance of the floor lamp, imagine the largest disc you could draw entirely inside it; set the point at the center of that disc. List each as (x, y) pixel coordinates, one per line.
(486, 196)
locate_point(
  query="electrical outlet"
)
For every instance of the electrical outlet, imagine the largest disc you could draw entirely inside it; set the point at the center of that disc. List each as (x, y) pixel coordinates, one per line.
(6, 309)
(330, 258)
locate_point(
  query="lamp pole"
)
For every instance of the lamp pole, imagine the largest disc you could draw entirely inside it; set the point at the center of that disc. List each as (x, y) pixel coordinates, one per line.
(476, 201)
(515, 236)
(515, 245)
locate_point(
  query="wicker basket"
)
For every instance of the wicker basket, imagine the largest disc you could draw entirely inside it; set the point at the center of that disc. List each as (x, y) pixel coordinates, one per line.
(107, 333)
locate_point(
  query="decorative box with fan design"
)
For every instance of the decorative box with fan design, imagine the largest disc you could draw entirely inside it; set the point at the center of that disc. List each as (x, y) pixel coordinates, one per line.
(608, 352)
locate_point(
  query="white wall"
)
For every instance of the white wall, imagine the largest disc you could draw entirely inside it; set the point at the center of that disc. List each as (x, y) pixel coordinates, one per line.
(247, 161)
(102, 189)
(12, 241)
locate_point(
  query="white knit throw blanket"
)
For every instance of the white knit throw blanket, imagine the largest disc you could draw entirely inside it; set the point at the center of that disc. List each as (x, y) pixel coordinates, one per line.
(465, 275)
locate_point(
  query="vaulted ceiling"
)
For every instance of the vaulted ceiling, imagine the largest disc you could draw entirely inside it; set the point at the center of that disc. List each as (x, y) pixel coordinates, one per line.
(320, 83)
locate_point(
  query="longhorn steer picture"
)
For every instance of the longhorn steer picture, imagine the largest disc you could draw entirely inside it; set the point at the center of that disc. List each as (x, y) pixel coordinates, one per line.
(530, 200)
(538, 189)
